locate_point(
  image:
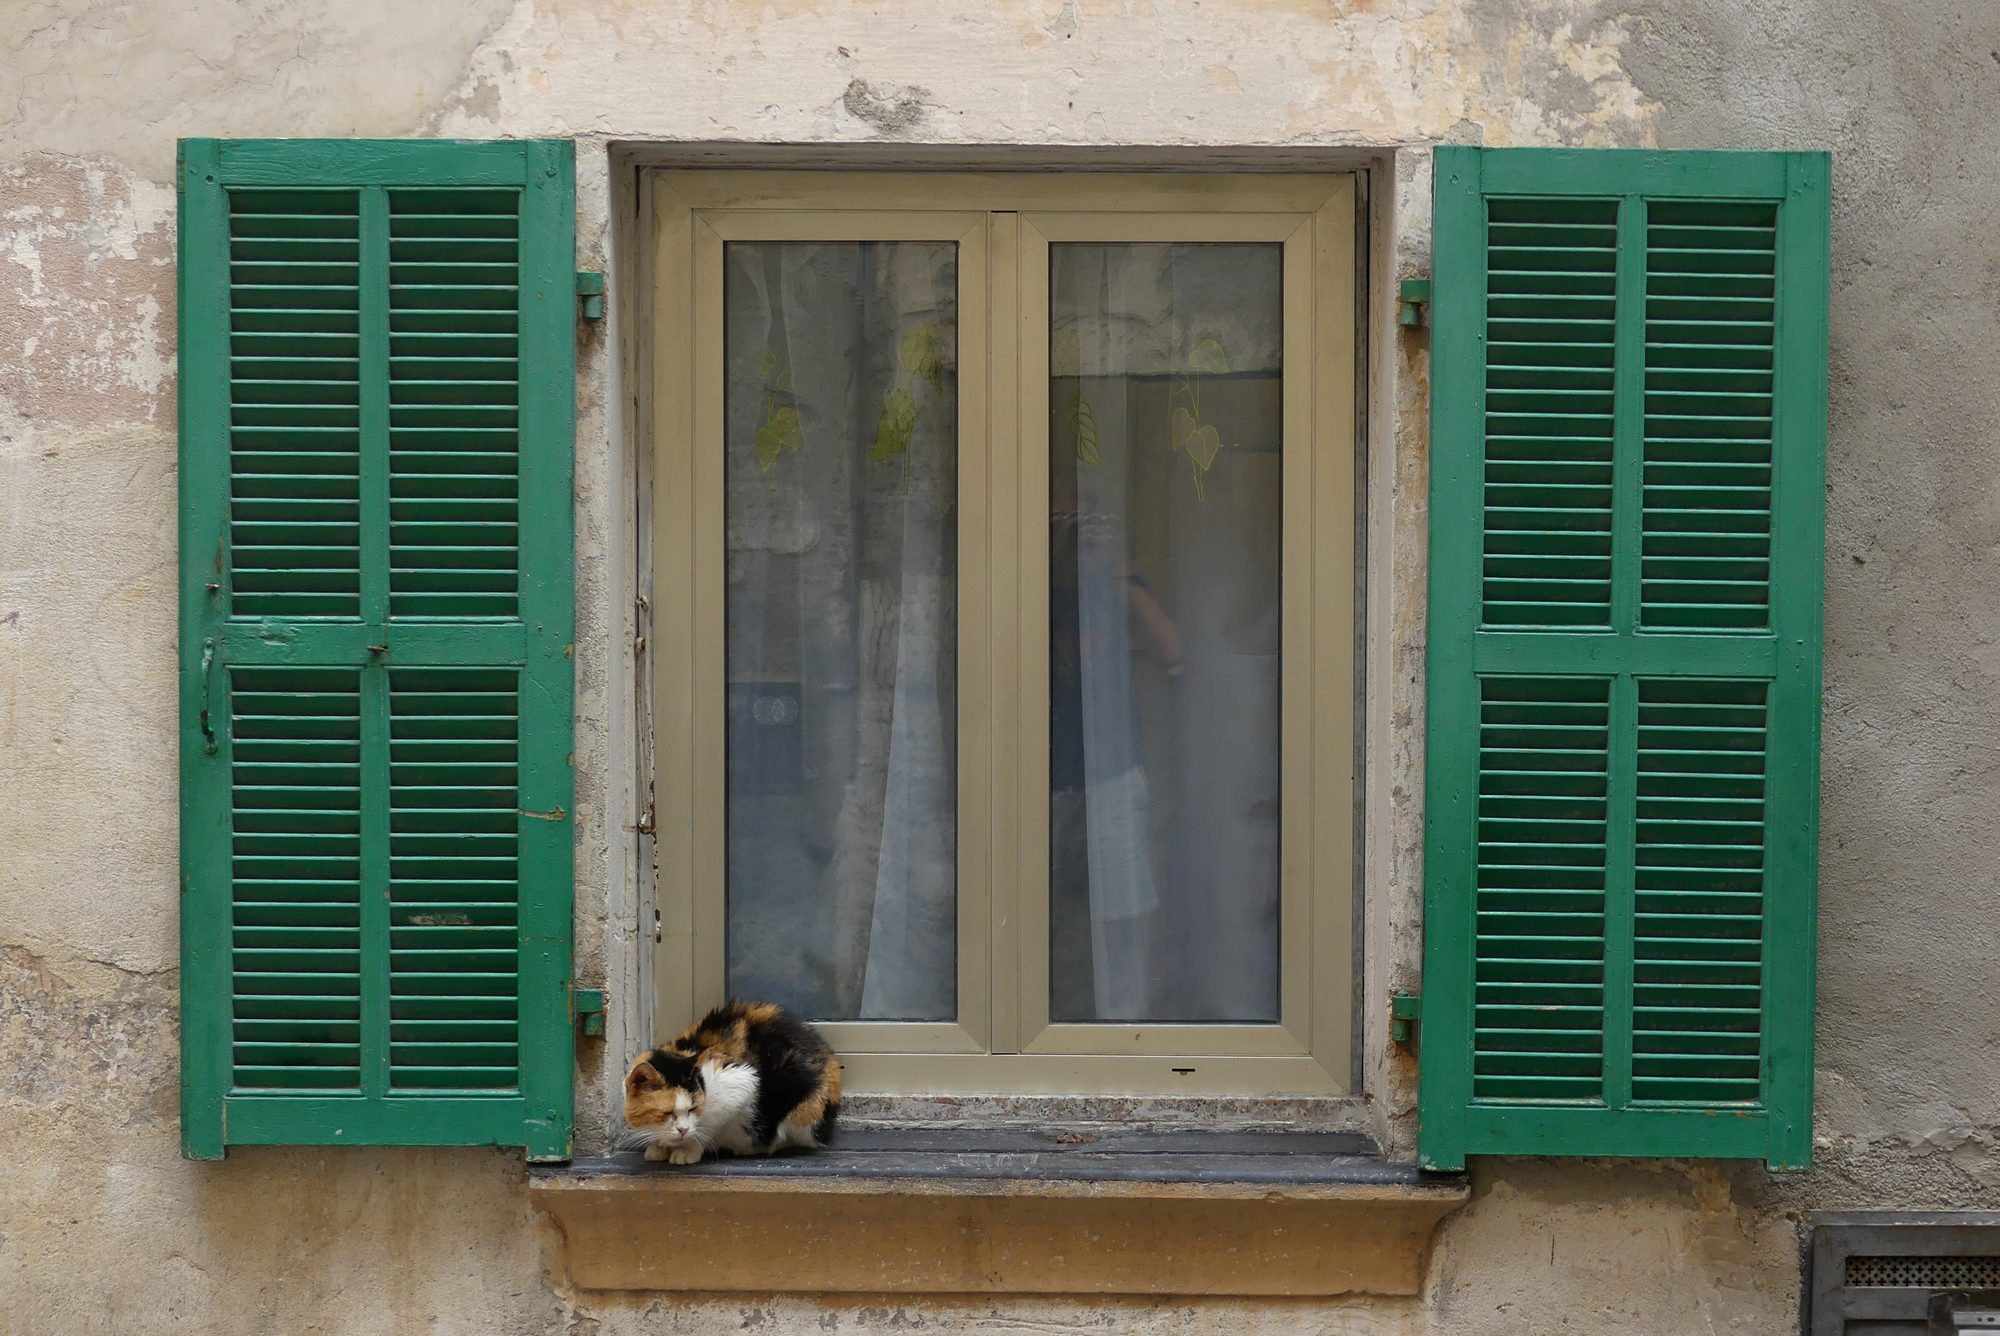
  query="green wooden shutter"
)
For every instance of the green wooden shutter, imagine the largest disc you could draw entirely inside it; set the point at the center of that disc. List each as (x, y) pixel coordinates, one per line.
(1627, 453)
(376, 419)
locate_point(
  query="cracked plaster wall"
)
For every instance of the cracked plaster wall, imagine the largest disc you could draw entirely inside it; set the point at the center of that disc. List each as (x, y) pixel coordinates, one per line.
(92, 96)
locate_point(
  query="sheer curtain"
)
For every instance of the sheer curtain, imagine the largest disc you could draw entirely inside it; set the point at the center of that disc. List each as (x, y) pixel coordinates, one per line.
(1127, 978)
(1166, 491)
(1166, 499)
(841, 446)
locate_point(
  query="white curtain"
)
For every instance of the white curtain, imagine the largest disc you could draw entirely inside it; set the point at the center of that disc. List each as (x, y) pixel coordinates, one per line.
(1175, 595)
(842, 533)
(1126, 975)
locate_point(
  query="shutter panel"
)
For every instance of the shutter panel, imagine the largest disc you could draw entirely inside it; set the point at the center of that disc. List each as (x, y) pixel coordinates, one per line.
(1628, 457)
(377, 408)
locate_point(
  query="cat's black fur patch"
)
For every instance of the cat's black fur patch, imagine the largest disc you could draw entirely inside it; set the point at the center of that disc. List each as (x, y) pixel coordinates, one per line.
(678, 1070)
(791, 1061)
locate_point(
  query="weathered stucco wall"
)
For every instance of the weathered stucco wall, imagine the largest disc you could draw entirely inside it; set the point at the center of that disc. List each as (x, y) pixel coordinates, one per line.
(103, 1228)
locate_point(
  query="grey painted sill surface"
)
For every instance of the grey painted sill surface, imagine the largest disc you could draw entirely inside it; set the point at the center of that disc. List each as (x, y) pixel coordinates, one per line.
(1307, 1163)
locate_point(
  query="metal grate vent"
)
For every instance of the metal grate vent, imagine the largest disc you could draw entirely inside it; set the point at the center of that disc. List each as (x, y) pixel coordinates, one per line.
(1925, 1273)
(1903, 1273)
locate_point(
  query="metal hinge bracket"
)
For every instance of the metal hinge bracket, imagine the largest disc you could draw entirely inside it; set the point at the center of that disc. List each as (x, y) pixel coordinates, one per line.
(587, 1004)
(1405, 1010)
(1413, 301)
(590, 294)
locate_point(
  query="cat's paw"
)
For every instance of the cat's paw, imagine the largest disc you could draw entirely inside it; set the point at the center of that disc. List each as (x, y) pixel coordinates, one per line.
(683, 1154)
(655, 1152)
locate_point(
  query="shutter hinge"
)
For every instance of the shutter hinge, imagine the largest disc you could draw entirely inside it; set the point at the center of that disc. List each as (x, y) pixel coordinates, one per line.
(590, 294)
(587, 1005)
(1405, 1010)
(1413, 301)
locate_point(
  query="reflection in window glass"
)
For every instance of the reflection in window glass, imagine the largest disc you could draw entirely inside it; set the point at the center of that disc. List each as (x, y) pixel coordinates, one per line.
(840, 442)
(1165, 491)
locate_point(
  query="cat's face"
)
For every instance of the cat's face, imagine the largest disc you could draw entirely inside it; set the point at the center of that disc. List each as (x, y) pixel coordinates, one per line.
(664, 1097)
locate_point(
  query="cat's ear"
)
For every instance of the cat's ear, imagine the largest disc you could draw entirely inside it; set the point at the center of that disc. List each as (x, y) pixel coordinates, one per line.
(643, 1077)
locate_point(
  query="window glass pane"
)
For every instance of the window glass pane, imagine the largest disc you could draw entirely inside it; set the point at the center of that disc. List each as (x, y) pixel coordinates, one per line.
(1165, 489)
(841, 433)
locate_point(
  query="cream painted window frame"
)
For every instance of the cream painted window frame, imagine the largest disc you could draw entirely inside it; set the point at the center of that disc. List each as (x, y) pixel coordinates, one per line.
(1003, 224)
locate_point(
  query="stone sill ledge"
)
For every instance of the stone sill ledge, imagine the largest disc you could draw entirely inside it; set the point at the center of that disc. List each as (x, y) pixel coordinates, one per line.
(1009, 1210)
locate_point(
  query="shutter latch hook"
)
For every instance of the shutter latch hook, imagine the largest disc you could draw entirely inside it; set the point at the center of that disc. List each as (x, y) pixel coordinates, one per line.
(208, 743)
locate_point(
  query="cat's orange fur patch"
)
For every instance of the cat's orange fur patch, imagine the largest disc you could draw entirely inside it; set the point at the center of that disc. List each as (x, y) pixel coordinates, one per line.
(649, 1100)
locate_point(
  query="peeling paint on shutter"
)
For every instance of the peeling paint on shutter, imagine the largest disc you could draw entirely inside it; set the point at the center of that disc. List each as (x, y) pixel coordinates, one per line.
(1628, 370)
(377, 404)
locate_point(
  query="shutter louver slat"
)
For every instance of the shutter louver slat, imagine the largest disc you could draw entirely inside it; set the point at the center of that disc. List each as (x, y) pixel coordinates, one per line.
(294, 403)
(1548, 413)
(1710, 373)
(454, 394)
(1539, 981)
(377, 367)
(454, 838)
(1699, 891)
(1627, 451)
(295, 946)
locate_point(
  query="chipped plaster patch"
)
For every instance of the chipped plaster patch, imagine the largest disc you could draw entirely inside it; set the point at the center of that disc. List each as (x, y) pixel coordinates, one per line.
(85, 285)
(124, 80)
(896, 112)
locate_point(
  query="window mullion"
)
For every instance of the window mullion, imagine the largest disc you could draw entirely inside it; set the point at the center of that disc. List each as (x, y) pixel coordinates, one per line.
(1029, 624)
(1002, 631)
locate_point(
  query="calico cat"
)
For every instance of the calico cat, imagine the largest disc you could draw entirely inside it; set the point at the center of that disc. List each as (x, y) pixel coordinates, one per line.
(749, 1078)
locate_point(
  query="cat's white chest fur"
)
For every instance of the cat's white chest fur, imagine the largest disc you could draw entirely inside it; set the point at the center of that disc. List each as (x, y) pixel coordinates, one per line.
(731, 1098)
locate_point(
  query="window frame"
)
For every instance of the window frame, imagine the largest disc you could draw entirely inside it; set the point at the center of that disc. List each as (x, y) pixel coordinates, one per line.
(1003, 224)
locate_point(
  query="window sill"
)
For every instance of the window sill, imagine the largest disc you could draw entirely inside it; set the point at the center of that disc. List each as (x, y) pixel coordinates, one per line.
(1009, 1210)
